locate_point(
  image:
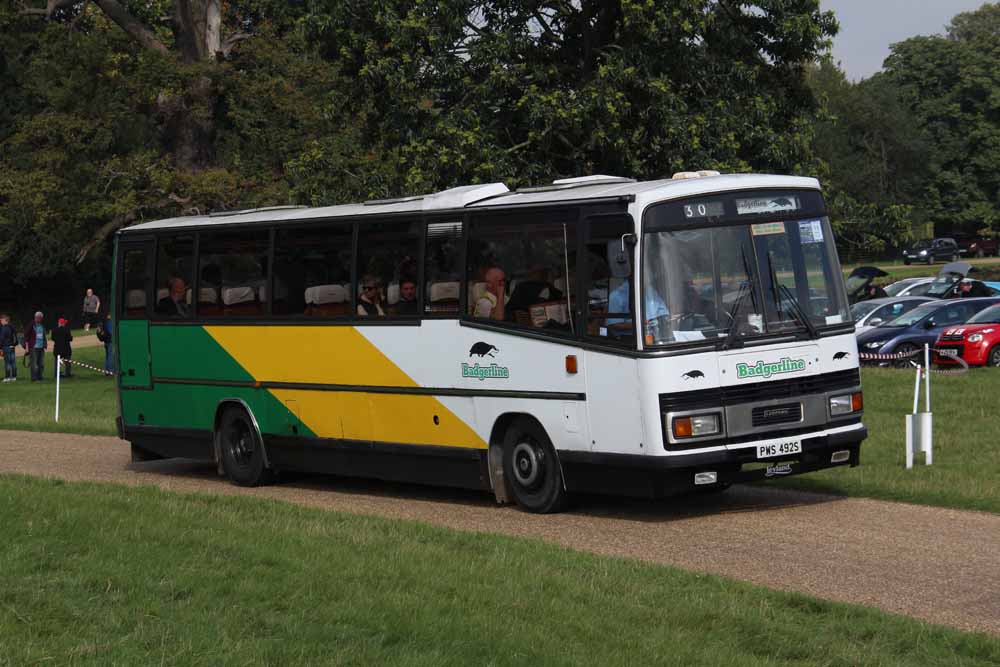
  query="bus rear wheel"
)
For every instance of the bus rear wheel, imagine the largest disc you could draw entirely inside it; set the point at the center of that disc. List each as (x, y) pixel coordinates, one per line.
(241, 449)
(532, 468)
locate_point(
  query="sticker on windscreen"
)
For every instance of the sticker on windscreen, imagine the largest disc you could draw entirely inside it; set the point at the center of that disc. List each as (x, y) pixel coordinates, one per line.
(763, 228)
(811, 231)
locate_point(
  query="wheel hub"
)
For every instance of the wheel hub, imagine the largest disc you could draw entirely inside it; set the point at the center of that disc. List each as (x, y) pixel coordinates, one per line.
(528, 464)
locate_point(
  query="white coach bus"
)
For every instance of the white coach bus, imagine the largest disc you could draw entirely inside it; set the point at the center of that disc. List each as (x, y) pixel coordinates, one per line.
(594, 335)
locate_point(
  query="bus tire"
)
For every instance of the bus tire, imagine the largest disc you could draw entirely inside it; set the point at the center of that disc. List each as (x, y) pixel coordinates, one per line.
(532, 468)
(241, 449)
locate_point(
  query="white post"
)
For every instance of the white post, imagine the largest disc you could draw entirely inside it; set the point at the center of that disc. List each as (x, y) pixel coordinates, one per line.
(927, 379)
(58, 368)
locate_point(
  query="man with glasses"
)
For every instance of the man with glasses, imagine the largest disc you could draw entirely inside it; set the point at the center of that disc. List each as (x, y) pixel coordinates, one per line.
(370, 303)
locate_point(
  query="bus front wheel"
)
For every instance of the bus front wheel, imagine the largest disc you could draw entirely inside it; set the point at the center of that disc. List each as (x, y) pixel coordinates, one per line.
(241, 449)
(532, 468)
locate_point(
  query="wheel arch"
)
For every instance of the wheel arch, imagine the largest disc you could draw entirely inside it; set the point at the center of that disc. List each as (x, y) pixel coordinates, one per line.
(220, 408)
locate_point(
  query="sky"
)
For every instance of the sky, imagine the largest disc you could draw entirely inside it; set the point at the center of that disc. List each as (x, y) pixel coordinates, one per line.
(868, 27)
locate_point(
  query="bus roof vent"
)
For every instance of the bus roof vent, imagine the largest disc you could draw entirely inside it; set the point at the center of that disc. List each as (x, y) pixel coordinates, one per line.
(221, 214)
(684, 175)
(464, 195)
(395, 200)
(593, 180)
(578, 182)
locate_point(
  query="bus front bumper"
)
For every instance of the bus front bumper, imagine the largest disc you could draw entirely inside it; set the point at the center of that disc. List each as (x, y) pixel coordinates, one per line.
(661, 476)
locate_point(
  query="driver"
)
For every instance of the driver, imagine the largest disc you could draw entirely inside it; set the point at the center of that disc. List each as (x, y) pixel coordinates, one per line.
(655, 308)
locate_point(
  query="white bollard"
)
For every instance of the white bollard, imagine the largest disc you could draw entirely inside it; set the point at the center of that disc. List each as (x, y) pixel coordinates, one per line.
(919, 425)
(58, 373)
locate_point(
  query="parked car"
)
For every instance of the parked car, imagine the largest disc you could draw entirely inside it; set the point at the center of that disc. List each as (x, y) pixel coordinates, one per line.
(977, 341)
(909, 287)
(980, 246)
(952, 282)
(922, 325)
(874, 312)
(859, 284)
(929, 251)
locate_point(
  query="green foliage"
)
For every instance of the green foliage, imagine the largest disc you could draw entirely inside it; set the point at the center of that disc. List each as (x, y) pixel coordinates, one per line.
(952, 85)
(326, 102)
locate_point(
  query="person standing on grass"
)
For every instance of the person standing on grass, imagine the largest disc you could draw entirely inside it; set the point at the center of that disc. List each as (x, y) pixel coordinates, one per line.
(61, 337)
(91, 307)
(34, 346)
(8, 346)
(105, 334)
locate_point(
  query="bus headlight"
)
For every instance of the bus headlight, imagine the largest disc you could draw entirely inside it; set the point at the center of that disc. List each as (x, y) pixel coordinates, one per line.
(696, 426)
(846, 404)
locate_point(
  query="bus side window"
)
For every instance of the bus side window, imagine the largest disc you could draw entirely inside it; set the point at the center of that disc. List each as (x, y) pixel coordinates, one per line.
(174, 277)
(388, 263)
(135, 284)
(233, 274)
(442, 268)
(522, 268)
(610, 301)
(312, 271)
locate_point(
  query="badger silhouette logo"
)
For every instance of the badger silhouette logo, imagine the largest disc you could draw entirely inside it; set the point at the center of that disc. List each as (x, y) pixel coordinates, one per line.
(693, 375)
(483, 349)
(841, 355)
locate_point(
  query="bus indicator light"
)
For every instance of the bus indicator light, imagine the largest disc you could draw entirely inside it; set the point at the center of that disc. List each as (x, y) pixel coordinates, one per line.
(696, 426)
(571, 364)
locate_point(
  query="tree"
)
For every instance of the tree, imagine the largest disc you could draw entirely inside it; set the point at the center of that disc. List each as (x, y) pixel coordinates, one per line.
(522, 91)
(952, 85)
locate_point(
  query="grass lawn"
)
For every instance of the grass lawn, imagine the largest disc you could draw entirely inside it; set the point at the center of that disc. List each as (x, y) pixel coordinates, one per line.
(99, 574)
(966, 466)
(87, 400)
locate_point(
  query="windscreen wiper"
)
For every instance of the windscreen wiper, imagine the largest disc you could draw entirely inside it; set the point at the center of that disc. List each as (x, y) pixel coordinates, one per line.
(779, 289)
(745, 289)
(798, 312)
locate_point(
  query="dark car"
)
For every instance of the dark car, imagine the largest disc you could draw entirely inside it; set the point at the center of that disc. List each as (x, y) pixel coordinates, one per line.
(859, 284)
(909, 332)
(934, 250)
(978, 246)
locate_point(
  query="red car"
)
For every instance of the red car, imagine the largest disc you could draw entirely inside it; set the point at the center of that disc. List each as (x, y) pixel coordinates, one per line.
(977, 341)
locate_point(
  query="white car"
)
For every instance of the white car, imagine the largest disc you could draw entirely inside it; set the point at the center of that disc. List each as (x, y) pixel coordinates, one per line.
(874, 312)
(909, 287)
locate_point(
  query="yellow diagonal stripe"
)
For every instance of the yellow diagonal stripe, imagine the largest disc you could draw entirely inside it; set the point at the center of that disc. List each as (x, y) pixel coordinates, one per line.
(341, 355)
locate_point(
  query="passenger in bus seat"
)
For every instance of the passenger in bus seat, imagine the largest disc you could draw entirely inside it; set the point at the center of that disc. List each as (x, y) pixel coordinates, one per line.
(370, 302)
(407, 304)
(174, 303)
(491, 304)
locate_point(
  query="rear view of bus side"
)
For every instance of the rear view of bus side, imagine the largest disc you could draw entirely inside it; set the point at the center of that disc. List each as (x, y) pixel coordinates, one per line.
(594, 335)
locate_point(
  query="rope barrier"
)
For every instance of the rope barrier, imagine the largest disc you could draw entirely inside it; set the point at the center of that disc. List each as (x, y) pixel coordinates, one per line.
(93, 368)
(872, 356)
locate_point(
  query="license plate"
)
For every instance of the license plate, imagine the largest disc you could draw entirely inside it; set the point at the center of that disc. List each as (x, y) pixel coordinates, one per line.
(779, 448)
(945, 352)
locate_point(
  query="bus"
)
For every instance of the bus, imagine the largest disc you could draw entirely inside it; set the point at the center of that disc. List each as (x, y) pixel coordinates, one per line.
(595, 335)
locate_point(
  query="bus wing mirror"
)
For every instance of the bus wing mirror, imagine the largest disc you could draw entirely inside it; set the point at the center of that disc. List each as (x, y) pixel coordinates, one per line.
(619, 256)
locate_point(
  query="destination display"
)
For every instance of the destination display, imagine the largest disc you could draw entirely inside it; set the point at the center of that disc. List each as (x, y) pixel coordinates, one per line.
(775, 204)
(709, 209)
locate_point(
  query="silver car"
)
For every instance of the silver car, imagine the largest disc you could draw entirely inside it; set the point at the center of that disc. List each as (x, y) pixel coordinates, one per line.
(870, 314)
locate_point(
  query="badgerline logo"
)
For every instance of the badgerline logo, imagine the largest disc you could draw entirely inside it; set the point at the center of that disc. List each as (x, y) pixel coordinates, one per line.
(762, 370)
(483, 372)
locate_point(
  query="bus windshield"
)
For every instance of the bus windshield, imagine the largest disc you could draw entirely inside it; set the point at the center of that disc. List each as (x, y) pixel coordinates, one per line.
(739, 281)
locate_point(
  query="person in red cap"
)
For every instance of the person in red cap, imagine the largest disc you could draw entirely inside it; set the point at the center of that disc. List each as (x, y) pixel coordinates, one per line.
(61, 337)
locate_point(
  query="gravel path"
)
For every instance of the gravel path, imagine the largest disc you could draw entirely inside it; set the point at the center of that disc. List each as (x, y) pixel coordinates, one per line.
(939, 565)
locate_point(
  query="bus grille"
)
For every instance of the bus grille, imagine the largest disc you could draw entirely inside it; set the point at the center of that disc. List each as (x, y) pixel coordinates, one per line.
(777, 414)
(760, 391)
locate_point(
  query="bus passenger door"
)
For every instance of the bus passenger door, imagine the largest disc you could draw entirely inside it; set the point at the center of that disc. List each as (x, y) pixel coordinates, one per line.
(134, 300)
(613, 406)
